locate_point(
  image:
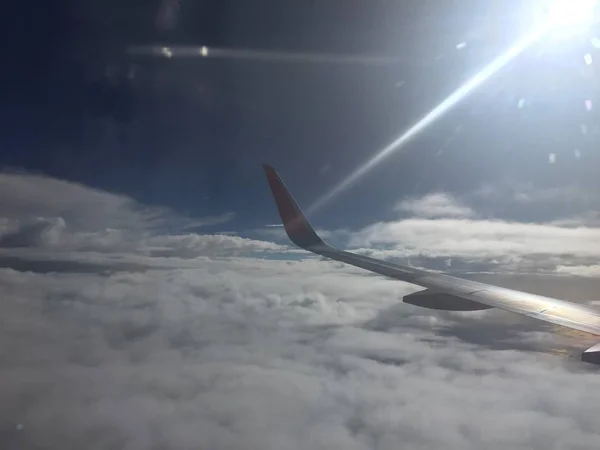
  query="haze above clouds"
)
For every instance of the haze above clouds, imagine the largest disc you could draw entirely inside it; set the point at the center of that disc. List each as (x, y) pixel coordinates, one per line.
(117, 334)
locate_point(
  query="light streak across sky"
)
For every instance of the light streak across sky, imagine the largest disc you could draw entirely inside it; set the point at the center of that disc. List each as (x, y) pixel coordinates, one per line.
(565, 16)
(446, 105)
(562, 15)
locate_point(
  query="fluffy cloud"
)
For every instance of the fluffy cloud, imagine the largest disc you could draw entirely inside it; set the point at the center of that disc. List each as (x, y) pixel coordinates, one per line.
(243, 353)
(123, 337)
(193, 245)
(33, 197)
(438, 204)
(33, 233)
(481, 238)
(45, 213)
(584, 271)
(23, 195)
(465, 234)
(481, 245)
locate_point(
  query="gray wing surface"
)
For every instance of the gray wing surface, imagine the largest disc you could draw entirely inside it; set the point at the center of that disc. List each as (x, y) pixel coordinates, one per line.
(443, 291)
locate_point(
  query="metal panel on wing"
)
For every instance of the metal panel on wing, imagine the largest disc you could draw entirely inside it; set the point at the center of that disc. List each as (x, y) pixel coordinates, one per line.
(521, 301)
(448, 284)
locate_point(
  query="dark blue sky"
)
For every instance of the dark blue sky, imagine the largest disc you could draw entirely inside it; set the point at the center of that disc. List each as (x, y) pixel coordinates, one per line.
(192, 133)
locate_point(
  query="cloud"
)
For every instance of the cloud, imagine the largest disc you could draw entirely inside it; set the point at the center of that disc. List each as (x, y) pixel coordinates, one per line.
(479, 238)
(584, 271)
(35, 233)
(590, 219)
(438, 204)
(46, 213)
(571, 205)
(194, 245)
(127, 243)
(126, 337)
(26, 196)
(244, 353)
(527, 193)
(447, 234)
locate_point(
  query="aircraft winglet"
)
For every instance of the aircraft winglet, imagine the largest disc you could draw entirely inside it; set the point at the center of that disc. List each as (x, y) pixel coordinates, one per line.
(295, 223)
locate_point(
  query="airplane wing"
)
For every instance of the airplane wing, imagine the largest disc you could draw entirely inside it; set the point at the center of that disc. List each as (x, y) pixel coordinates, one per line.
(443, 292)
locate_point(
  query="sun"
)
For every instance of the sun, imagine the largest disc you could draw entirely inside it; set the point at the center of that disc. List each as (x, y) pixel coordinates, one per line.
(565, 18)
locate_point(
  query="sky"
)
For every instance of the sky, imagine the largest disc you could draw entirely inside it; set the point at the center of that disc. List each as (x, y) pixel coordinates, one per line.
(150, 298)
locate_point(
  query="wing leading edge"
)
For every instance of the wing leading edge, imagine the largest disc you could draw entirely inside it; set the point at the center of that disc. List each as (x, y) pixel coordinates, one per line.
(559, 312)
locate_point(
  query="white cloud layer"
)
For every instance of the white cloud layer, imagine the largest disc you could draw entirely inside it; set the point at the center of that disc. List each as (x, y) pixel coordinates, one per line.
(40, 212)
(592, 271)
(23, 195)
(481, 238)
(437, 204)
(443, 231)
(527, 193)
(249, 354)
(115, 336)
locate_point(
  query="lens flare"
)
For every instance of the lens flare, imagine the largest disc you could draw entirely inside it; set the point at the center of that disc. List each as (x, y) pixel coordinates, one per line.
(557, 16)
(567, 17)
(445, 106)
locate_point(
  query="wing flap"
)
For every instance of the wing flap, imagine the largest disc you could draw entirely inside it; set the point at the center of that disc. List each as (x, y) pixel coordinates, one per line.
(442, 301)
